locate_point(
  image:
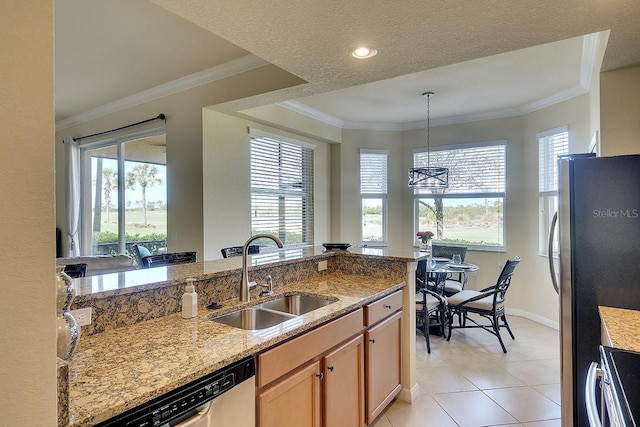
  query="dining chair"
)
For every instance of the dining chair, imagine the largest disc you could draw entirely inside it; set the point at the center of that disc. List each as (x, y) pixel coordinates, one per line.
(139, 253)
(75, 270)
(431, 306)
(234, 251)
(487, 303)
(168, 259)
(455, 282)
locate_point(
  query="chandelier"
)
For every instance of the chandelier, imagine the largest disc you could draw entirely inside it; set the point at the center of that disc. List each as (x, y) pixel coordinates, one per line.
(429, 177)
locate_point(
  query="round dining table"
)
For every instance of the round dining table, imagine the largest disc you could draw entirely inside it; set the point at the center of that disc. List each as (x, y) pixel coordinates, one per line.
(443, 268)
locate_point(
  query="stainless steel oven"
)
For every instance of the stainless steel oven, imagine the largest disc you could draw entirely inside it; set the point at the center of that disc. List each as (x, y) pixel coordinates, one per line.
(612, 389)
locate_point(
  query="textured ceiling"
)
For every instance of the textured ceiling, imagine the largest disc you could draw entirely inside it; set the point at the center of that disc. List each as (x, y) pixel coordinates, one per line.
(504, 82)
(106, 51)
(313, 39)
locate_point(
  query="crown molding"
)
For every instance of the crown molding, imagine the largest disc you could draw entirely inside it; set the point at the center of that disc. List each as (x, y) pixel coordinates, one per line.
(318, 115)
(422, 124)
(589, 66)
(591, 44)
(228, 69)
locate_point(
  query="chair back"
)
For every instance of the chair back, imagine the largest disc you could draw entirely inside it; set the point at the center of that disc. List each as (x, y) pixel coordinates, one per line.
(237, 251)
(504, 280)
(423, 279)
(168, 259)
(139, 253)
(449, 251)
(75, 270)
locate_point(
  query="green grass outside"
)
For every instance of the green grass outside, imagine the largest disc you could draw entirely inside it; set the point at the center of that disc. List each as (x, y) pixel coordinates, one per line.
(156, 222)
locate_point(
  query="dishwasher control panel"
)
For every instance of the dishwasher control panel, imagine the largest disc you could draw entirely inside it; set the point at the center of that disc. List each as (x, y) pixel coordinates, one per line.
(175, 404)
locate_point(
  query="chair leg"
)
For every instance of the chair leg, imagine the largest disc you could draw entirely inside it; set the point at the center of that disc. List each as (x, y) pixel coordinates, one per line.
(504, 319)
(450, 320)
(496, 329)
(424, 321)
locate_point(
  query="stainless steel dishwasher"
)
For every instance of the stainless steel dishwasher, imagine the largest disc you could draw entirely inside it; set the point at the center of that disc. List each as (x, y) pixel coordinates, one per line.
(223, 398)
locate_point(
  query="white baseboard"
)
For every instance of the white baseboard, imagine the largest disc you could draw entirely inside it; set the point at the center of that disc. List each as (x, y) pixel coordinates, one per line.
(538, 319)
(409, 395)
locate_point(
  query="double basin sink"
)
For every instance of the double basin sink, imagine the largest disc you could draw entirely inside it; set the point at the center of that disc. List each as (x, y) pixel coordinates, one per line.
(273, 312)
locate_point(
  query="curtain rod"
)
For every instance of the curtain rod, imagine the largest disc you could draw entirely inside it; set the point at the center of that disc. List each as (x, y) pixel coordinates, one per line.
(160, 116)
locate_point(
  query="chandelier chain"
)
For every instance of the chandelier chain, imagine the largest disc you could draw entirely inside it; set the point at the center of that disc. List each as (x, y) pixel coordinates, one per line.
(428, 96)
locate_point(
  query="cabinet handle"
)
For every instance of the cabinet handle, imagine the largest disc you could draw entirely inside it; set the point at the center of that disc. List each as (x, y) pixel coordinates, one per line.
(330, 368)
(372, 341)
(387, 306)
(320, 375)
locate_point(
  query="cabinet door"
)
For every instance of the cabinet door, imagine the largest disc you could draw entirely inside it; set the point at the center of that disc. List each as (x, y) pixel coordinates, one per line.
(293, 401)
(383, 364)
(344, 385)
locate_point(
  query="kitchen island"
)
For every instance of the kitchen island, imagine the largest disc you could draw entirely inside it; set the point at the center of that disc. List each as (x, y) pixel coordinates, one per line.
(118, 365)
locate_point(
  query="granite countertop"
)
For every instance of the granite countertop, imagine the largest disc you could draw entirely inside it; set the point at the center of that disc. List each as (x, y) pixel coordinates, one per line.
(132, 281)
(120, 369)
(622, 327)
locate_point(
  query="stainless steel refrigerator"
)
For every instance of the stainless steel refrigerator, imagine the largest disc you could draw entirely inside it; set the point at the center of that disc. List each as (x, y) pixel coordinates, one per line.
(599, 262)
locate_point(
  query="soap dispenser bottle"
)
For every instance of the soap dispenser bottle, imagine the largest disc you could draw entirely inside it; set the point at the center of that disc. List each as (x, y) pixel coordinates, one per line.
(189, 300)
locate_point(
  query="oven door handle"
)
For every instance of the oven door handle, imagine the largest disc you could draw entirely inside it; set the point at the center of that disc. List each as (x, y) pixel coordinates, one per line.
(590, 395)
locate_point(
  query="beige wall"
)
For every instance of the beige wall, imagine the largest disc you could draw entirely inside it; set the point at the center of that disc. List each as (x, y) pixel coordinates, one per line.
(226, 199)
(349, 216)
(539, 297)
(209, 183)
(532, 294)
(227, 207)
(184, 147)
(28, 334)
(620, 106)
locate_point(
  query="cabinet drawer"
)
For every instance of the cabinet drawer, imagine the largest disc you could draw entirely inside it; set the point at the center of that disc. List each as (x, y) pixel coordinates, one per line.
(376, 311)
(274, 363)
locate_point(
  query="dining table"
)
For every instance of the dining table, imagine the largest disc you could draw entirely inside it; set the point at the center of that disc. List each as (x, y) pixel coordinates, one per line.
(439, 269)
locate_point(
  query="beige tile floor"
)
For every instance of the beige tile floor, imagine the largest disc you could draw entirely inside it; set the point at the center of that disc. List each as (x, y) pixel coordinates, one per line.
(469, 382)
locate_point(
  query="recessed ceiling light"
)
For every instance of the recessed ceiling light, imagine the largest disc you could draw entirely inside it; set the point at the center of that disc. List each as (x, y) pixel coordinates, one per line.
(364, 52)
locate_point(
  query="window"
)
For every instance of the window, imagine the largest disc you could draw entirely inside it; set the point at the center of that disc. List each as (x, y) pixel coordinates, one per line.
(471, 211)
(551, 144)
(124, 193)
(373, 192)
(281, 188)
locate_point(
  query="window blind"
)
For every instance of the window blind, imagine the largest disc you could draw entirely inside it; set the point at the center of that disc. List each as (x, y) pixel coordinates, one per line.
(281, 190)
(472, 170)
(373, 172)
(550, 146)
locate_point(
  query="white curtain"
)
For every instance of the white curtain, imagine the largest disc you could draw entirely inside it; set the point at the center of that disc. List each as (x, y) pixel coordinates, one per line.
(72, 151)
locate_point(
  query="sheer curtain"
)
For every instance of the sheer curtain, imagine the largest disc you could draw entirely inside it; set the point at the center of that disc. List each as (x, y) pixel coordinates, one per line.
(72, 154)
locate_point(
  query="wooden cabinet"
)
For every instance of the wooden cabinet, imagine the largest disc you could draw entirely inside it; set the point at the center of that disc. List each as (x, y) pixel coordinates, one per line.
(292, 402)
(383, 355)
(344, 385)
(334, 375)
(327, 390)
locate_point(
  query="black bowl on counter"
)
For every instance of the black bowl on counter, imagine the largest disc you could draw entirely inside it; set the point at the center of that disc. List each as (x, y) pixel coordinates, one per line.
(336, 246)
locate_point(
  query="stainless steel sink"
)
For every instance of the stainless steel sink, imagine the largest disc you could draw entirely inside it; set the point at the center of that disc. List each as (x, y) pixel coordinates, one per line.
(298, 304)
(253, 318)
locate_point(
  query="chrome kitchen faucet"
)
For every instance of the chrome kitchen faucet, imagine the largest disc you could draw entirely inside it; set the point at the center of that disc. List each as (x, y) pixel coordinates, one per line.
(245, 285)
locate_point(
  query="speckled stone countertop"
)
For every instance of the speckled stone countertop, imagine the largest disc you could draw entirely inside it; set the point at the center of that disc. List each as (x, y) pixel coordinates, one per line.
(118, 370)
(622, 327)
(132, 281)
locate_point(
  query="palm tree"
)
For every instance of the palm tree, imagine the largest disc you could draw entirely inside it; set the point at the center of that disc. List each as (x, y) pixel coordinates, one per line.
(110, 182)
(144, 175)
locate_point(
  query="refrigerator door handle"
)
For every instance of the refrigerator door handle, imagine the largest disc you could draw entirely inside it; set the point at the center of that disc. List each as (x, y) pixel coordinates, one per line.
(552, 267)
(590, 398)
